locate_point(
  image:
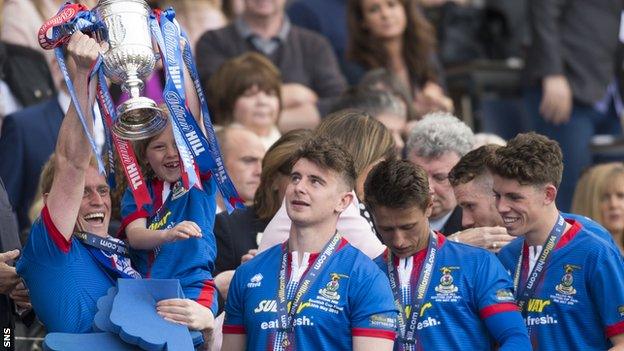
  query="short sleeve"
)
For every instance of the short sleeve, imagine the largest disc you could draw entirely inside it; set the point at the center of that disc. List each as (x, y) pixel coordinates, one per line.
(234, 307)
(606, 279)
(372, 307)
(493, 291)
(129, 211)
(46, 245)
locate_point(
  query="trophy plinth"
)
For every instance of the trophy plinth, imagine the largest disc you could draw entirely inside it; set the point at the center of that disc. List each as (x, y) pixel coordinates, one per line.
(128, 62)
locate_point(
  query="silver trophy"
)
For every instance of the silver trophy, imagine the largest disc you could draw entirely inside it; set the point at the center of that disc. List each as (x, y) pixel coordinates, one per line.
(129, 60)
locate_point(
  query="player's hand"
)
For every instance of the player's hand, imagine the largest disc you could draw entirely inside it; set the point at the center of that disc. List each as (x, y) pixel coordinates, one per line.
(187, 312)
(431, 98)
(20, 296)
(183, 231)
(84, 50)
(249, 255)
(490, 238)
(8, 276)
(556, 105)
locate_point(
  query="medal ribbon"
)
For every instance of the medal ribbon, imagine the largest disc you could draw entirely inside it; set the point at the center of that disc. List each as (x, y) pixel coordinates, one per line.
(124, 149)
(539, 269)
(407, 324)
(286, 315)
(110, 253)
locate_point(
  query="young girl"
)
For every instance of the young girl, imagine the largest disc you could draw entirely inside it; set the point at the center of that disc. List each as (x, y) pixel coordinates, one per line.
(172, 237)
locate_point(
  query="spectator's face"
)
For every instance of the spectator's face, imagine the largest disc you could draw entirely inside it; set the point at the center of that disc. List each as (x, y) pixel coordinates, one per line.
(437, 170)
(257, 110)
(243, 156)
(94, 212)
(396, 125)
(384, 19)
(264, 8)
(521, 206)
(314, 194)
(612, 205)
(162, 155)
(478, 204)
(403, 230)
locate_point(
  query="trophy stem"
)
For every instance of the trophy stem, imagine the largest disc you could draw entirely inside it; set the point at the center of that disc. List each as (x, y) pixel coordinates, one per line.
(133, 85)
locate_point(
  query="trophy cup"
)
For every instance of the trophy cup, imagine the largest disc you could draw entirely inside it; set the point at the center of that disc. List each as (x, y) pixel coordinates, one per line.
(129, 60)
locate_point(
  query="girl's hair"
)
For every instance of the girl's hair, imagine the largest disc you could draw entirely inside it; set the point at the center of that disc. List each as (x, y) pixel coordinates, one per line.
(418, 42)
(276, 161)
(364, 137)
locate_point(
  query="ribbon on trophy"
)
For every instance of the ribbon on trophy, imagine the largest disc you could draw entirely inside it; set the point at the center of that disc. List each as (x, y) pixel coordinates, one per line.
(204, 147)
(72, 17)
(199, 152)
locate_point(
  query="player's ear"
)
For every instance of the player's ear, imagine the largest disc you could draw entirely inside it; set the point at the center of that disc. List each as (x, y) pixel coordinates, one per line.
(345, 201)
(550, 194)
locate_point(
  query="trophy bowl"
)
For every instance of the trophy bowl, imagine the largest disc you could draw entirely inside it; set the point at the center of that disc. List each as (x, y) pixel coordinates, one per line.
(129, 61)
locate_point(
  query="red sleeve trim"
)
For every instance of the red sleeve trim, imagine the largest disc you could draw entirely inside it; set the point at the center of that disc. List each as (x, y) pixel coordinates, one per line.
(234, 329)
(121, 234)
(207, 294)
(204, 177)
(56, 236)
(498, 308)
(373, 333)
(615, 329)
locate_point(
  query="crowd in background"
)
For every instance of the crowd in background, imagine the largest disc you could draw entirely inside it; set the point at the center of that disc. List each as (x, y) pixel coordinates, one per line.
(363, 72)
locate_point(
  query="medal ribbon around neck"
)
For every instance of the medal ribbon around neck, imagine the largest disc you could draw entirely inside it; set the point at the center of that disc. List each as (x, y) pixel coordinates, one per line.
(539, 269)
(407, 324)
(285, 315)
(112, 254)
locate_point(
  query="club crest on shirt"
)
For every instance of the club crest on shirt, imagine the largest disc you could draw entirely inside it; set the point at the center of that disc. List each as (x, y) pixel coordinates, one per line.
(255, 281)
(330, 291)
(566, 285)
(178, 190)
(446, 285)
(621, 310)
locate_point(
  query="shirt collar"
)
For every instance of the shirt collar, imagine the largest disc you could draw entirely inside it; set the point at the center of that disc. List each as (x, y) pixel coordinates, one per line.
(246, 32)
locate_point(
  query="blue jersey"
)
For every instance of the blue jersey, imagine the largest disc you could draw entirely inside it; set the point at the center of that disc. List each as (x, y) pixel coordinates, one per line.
(191, 260)
(350, 297)
(64, 280)
(579, 302)
(468, 286)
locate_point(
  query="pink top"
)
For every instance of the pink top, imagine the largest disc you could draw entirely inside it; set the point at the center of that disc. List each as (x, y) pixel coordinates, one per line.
(351, 225)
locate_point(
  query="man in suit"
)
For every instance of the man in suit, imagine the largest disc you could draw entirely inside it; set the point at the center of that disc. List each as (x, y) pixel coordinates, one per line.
(571, 66)
(306, 60)
(436, 143)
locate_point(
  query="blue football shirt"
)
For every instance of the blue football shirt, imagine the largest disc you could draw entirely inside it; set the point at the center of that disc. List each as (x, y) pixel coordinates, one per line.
(64, 280)
(191, 260)
(350, 298)
(579, 302)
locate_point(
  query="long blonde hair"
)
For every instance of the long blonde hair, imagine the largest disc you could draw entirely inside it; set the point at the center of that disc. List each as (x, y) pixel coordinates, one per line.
(591, 186)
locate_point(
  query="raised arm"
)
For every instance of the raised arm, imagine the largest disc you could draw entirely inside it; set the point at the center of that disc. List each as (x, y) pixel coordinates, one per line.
(72, 147)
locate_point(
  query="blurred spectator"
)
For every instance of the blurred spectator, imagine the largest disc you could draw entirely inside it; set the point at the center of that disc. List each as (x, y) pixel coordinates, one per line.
(436, 143)
(309, 68)
(25, 78)
(312, 15)
(368, 142)
(481, 139)
(246, 91)
(571, 68)
(242, 156)
(241, 231)
(599, 195)
(396, 35)
(197, 16)
(383, 106)
(21, 20)
(27, 140)
(383, 79)
(232, 8)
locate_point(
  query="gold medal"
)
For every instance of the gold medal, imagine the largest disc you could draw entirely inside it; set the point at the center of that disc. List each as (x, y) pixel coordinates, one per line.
(285, 342)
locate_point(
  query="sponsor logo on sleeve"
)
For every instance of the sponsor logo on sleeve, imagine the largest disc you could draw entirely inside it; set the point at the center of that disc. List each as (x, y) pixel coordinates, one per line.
(255, 281)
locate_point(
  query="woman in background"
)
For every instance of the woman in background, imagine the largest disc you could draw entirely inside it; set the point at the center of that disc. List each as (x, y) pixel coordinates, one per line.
(395, 34)
(246, 90)
(599, 195)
